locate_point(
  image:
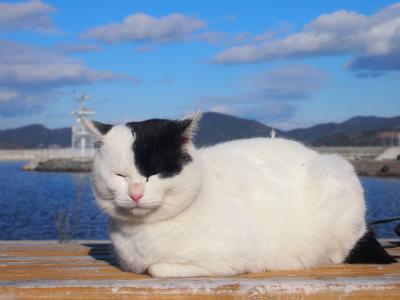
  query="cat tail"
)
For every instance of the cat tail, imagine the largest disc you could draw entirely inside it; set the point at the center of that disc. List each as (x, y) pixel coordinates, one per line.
(368, 250)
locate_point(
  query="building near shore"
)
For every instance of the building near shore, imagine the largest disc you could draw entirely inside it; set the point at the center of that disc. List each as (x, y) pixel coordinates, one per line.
(390, 138)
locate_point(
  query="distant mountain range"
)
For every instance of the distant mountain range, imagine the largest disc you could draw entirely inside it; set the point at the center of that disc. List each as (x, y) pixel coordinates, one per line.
(34, 136)
(357, 131)
(215, 128)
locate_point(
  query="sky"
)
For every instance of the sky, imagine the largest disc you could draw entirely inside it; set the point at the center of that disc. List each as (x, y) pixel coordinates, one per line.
(287, 64)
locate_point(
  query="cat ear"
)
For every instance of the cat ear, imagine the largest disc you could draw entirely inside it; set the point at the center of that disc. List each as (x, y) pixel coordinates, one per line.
(188, 127)
(96, 128)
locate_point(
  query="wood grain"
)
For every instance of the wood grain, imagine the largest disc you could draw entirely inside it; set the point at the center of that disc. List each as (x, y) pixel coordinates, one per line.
(87, 270)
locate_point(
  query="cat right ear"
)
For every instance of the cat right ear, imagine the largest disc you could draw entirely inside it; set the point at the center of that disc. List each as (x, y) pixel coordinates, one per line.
(96, 128)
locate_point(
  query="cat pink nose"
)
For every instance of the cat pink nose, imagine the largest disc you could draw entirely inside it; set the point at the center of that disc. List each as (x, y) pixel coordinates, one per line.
(136, 197)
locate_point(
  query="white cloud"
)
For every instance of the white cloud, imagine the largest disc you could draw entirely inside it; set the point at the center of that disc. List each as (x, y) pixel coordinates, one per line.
(272, 95)
(70, 48)
(7, 95)
(372, 41)
(19, 101)
(141, 27)
(32, 15)
(288, 82)
(30, 77)
(240, 37)
(212, 37)
(34, 66)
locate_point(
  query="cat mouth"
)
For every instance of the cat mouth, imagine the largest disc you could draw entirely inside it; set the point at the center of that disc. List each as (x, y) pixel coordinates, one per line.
(142, 207)
(141, 211)
(147, 205)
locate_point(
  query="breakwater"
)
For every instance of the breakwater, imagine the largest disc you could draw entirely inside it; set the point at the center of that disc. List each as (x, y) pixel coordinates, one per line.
(368, 161)
(351, 153)
(43, 154)
(382, 168)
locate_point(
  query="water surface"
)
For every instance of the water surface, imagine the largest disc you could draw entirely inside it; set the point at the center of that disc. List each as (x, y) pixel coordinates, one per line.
(61, 206)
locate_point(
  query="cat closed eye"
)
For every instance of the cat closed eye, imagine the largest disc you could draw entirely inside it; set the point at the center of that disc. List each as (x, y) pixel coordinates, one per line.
(120, 175)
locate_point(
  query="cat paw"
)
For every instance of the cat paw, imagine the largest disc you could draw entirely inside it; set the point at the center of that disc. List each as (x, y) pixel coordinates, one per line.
(176, 270)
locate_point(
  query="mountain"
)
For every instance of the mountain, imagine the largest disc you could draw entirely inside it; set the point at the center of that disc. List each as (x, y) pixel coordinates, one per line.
(215, 128)
(34, 136)
(357, 131)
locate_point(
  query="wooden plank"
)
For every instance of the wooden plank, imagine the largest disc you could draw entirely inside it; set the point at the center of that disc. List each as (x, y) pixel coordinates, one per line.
(87, 270)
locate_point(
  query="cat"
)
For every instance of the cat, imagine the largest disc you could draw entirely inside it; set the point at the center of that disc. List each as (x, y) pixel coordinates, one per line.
(248, 205)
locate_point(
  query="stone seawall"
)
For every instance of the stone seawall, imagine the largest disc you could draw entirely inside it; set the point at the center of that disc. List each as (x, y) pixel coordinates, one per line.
(382, 168)
(389, 168)
(43, 154)
(66, 160)
(351, 153)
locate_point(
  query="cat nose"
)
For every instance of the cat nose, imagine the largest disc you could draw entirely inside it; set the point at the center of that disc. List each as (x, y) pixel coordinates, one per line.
(136, 197)
(136, 191)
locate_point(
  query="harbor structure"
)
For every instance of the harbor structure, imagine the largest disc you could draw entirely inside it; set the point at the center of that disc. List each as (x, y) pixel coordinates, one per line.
(272, 133)
(82, 141)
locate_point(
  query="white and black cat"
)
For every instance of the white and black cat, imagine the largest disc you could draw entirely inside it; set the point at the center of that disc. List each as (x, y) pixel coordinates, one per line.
(243, 206)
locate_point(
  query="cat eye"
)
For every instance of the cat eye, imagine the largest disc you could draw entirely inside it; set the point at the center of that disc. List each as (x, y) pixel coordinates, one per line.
(120, 175)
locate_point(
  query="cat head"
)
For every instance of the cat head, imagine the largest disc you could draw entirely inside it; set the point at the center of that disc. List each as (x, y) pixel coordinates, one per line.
(145, 171)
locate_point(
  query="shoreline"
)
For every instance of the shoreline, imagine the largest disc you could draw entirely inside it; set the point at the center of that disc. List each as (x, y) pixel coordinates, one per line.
(377, 168)
(374, 168)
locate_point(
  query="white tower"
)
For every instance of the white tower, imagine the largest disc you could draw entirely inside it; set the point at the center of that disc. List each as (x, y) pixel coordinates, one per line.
(273, 133)
(82, 140)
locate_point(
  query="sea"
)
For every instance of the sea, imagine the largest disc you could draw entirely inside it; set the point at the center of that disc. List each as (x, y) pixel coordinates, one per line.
(61, 206)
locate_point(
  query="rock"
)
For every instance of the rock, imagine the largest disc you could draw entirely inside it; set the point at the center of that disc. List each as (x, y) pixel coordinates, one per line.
(60, 165)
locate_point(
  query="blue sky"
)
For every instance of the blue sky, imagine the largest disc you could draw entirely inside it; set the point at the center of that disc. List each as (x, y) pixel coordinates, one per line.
(285, 63)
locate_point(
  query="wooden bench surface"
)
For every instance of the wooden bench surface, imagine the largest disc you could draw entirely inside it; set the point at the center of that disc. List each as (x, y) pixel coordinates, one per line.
(86, 270)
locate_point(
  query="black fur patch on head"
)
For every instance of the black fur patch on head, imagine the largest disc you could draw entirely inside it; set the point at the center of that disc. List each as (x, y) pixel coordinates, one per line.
(158, 146)
(102, 128)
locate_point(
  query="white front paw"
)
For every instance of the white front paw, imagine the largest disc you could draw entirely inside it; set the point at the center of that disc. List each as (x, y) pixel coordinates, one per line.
(175, 270)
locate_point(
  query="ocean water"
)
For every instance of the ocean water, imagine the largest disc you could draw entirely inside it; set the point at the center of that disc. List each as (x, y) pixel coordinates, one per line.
(60, 206)
(36, 205)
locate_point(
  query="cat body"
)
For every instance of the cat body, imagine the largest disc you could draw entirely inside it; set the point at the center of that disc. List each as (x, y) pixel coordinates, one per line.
(242, 206)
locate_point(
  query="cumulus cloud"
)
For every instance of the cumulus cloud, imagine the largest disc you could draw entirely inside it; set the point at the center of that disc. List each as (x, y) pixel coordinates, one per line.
(30, 77)
(288, 83)
(141, 27)
(212, 37)
(34, 66)
(271, 95)
(373, 42)
(71, 48)
(32, 15)
(17, 102)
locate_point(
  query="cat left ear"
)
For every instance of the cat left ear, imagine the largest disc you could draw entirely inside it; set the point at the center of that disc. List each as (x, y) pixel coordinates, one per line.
(96, 128)
(189, 127)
